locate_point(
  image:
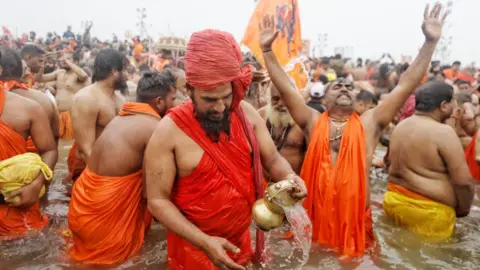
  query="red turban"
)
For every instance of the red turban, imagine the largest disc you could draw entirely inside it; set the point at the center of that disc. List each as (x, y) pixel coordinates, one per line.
(213, 58)
(408, 108)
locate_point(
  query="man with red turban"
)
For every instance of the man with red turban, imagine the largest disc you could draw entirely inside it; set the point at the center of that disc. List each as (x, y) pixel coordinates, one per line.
(204, 161)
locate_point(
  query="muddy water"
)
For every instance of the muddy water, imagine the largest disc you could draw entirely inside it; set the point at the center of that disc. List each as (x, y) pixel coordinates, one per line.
(397, 249)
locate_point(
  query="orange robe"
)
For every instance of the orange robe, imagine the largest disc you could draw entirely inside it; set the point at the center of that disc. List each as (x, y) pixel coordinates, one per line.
(9, 86)
(336, 201)
(470, 155)
(218, 195)
(15, 222)
(66, 128)
(108, 216)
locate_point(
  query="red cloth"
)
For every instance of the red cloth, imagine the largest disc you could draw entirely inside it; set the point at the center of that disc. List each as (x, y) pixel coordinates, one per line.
(408, 108)
(470, 156)
(213, 58)
(15, 222)
(218, 195)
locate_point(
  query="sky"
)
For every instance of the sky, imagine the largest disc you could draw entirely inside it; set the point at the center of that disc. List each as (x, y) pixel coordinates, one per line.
(371, 27)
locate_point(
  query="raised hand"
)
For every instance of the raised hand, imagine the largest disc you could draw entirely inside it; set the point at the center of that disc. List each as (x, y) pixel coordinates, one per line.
(267, 34)
(433, 23)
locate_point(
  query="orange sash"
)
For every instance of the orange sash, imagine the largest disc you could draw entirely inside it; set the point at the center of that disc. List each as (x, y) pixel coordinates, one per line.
(336, 200)
(401, 190)
(66, 128)
(134, 108)
(15, 222)
(11, 85)
(108, 218)
(472, 164)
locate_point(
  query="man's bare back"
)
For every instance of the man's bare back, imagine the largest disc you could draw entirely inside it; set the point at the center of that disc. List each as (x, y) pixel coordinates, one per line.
(417, 162)
(19, 120)
(119, 150)
(46, 104)
(92, 110)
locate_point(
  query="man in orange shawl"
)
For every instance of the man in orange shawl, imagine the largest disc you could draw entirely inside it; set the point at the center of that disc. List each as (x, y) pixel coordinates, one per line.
(15, 127)
(96, 105)
(200, 180)
(10, 83)
(342, 144)
(108, 214)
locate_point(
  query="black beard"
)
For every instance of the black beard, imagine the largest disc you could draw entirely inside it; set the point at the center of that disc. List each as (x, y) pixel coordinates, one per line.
(121, 85)
(212, 128)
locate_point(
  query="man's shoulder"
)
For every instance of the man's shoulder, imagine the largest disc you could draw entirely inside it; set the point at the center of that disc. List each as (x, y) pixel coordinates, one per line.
(29, 105)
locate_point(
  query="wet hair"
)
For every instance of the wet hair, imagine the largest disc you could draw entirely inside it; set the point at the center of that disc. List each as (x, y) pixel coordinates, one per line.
(366, 97)
(462, 98)
(144, 68)
(155, 84)
(11, 64)
(323, 79)
(106, 62)
(460, 81)
(457, 63)
(431, 95)
(31, 49)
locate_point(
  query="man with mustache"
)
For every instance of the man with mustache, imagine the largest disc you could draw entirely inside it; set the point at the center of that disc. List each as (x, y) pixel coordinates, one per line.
(341, 144)
(95, 106)
(287, 136)
(69, 79)
(204, 161)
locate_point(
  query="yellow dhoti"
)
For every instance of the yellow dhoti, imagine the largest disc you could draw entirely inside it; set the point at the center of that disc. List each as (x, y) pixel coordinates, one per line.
(419, 214)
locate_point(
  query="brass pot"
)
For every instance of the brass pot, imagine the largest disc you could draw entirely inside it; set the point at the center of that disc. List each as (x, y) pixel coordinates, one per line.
(264, 218)
(267, 213)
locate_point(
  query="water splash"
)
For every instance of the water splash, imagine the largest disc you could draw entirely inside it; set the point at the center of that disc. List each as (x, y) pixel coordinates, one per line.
(301, 227)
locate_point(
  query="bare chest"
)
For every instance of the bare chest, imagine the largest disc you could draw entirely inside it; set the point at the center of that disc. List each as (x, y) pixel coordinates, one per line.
(69, 82)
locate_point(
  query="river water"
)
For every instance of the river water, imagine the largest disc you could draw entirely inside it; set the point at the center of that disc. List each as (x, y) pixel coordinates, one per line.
(396, 248)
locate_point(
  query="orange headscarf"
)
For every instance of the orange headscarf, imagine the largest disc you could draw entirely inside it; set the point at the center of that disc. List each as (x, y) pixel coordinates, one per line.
(213, 58)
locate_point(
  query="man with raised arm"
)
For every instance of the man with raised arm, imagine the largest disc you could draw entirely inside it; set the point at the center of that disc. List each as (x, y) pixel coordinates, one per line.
(342, 144)
(69, 80)
(204, 161)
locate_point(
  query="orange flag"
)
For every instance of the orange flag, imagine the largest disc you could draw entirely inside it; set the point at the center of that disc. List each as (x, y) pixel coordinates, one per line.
(287, 20)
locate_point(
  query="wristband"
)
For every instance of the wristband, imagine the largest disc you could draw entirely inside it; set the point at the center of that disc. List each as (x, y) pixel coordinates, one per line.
(267, 50)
